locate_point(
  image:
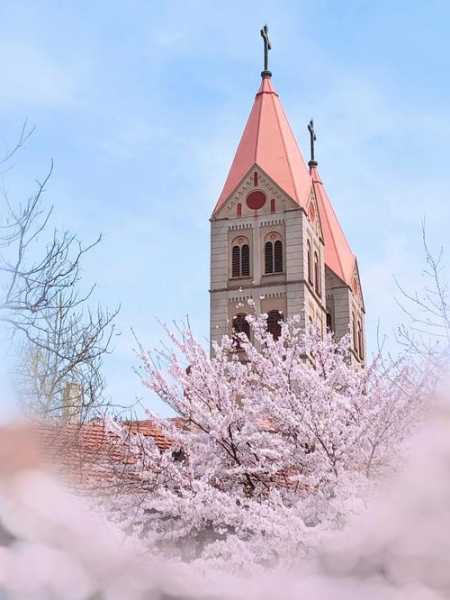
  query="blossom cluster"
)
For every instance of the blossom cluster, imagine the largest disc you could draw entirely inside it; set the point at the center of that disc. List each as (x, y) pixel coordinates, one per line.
(276, 442)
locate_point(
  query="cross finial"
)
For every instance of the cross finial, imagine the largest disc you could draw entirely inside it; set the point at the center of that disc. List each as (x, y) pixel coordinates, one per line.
(313, 138)
(267, 47)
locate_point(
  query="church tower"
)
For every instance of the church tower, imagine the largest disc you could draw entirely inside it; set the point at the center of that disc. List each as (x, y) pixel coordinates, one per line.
(276, 244)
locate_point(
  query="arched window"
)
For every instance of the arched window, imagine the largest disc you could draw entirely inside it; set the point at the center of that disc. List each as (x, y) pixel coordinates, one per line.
(274, 319)
(309, 259)
(268, 257)
(273, 253)
(272, 205)
(355, 342)
(255, 178)
(240, 325)
(360, 341)
(240, 257)
(278, 257)
(316, 274)
(239, 210)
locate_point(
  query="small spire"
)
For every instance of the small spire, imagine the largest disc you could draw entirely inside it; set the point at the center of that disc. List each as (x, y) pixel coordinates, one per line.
(312, 137)
(267, 46)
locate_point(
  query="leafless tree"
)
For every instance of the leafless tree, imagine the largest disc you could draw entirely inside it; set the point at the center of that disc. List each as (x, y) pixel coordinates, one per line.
(426, 332)
(62, 340)
(60, 371)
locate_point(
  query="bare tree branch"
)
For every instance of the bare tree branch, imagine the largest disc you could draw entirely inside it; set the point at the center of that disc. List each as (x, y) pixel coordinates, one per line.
(63, 341)
(427, 330)
(25, 134)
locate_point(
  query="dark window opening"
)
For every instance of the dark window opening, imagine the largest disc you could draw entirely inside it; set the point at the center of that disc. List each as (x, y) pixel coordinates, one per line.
(268, 255)
(245, 260)
(274, 319)
(316, 274)
(240, 261)
(310, 279)
(239, 210)
(272, 205)
(278, 258)
(236, 261)
(240, 325)
(360, 342)
(273, 257)
(255, 178)
(329, 322)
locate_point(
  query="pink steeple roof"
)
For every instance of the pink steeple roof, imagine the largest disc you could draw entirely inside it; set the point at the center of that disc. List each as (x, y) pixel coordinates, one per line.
(338, 254)
(268, 141)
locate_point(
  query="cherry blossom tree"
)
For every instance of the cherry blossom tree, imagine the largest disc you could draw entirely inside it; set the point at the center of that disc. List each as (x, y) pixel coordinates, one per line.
(275, 442)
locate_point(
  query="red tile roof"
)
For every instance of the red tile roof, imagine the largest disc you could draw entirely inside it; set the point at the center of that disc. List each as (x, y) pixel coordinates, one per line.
(339, 257)
(148, 428)
(93, 457)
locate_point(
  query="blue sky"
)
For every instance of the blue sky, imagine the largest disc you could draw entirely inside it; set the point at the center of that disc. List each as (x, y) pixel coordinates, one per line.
(141, 106)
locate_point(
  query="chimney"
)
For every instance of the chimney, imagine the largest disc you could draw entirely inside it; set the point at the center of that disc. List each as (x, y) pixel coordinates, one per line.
(72, 402)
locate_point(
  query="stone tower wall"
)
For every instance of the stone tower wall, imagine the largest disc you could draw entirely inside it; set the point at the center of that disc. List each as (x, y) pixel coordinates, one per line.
(290, 292)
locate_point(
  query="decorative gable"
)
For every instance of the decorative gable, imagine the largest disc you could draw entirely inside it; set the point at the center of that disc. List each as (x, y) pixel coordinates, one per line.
(313, 214)
(268, 141)
(255, 195)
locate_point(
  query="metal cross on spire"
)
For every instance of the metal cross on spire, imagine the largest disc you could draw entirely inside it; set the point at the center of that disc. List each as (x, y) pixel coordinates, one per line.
(313, 138)
(267, 46)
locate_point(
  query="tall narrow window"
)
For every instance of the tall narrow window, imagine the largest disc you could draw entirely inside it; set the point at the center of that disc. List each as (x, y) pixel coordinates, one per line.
(236, 261)
(273, 253)
(272, 205)
(278, 257)
(268, 257)
(309, 259)
(239, 210)
(329, 323)
(316, 274)
(245, 260)
(240, 257)
(360, 341)
(355, 342)
(274, 319)
(255, 178)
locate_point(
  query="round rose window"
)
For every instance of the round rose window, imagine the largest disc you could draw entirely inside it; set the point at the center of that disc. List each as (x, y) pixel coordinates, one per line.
(256, 200)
